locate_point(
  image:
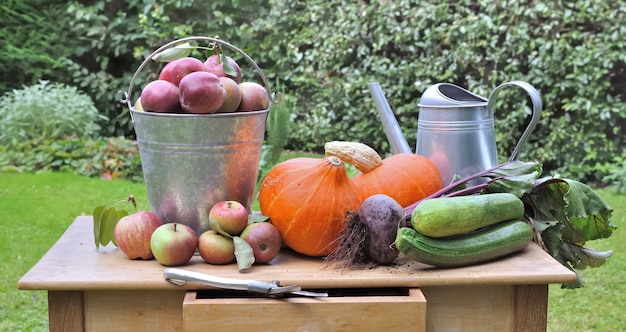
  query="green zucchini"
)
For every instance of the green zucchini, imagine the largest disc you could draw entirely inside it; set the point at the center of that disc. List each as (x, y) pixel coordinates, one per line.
(447, 216)
(473, 248)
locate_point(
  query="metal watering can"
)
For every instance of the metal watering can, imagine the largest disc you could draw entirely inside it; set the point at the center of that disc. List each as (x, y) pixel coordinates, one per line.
(455, 127)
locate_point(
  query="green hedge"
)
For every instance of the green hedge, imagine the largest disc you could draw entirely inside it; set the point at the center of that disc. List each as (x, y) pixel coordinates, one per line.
(324, 53)
(328, 51)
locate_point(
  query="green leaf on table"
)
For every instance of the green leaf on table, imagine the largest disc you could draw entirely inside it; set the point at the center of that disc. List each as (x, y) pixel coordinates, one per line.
(588, 214)
(243, 253)
(104, 220)
(551, 235)
(515, 177)
(583, 213)
(105, 217)
(216, 228)
(569, 213)
(581, 257)
(97, 214)
(254, 217)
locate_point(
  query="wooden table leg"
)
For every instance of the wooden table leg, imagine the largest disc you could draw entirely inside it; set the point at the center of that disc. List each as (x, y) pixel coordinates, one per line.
(531, 308)
(66, 311)
(486, 308)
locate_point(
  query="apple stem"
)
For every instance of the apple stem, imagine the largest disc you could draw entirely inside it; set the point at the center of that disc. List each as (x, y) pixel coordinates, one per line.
(131, 198)
(218, 51)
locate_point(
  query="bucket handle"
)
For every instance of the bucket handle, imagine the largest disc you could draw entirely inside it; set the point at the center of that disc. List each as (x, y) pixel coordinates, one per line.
(536, 113)
(274, 98)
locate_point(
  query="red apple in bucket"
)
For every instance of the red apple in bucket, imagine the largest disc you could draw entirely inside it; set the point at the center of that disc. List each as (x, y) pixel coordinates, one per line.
(233, 96)
(167, 73)
(160, 96)
(176, 70)
(216, 248)
(254, 97)
(132, 234)
(215, 65)
(201, 93)
(230, 216)
(264, 239)
(173, 244)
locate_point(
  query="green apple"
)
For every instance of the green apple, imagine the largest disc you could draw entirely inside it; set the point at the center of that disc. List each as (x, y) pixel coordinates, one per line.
(173, 244)
(216, 248)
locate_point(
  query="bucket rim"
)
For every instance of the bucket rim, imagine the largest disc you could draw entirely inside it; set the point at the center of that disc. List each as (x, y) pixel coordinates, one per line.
(134, 112)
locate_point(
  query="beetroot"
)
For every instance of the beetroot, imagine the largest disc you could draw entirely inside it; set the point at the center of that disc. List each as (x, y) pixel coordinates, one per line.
(381, 214)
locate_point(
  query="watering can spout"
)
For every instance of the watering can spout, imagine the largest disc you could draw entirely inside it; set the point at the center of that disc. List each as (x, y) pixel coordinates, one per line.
(392, 129)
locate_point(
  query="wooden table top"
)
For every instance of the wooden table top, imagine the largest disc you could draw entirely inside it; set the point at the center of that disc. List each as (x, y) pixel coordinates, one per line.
(73, 263)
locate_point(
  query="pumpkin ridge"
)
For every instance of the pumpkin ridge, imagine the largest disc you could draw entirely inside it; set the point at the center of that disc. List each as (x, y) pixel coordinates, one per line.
(305, 200)
(322, 175)
(321, 243)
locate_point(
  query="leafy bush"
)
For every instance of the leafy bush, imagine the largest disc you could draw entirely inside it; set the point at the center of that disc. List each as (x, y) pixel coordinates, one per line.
(35, 42)
(277, 134)
(326, 52)
(46, 111)
(570, 51)
(617, 177)
(107, 158)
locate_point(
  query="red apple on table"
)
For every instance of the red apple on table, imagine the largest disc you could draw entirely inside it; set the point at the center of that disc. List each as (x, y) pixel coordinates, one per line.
(201, 92)
(230, 216)
(176, 70)
(216, 248)
(132, 234)
(160, 96)
(254, 97)
(264, 239)
(173, 244)
(214, 65)
(233, 96)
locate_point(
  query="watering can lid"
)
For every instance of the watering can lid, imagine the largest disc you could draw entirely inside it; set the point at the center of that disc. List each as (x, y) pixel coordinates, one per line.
(450, 95)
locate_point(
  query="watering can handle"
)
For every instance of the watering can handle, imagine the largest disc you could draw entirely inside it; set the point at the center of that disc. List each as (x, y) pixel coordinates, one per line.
(537, 106)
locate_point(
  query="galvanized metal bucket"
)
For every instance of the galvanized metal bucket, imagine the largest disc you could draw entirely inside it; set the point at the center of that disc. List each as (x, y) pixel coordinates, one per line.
(192, 161)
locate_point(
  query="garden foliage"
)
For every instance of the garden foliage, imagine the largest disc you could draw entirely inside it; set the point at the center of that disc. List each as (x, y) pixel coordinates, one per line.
(108, 158)
(324, 53)
(47, 111)
(571, 51)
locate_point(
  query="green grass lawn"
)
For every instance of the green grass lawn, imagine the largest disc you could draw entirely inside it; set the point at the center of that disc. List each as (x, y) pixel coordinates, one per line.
(35, 209)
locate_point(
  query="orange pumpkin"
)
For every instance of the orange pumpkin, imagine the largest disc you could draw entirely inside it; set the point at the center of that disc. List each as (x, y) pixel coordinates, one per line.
(405, 177)
(307, 199)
